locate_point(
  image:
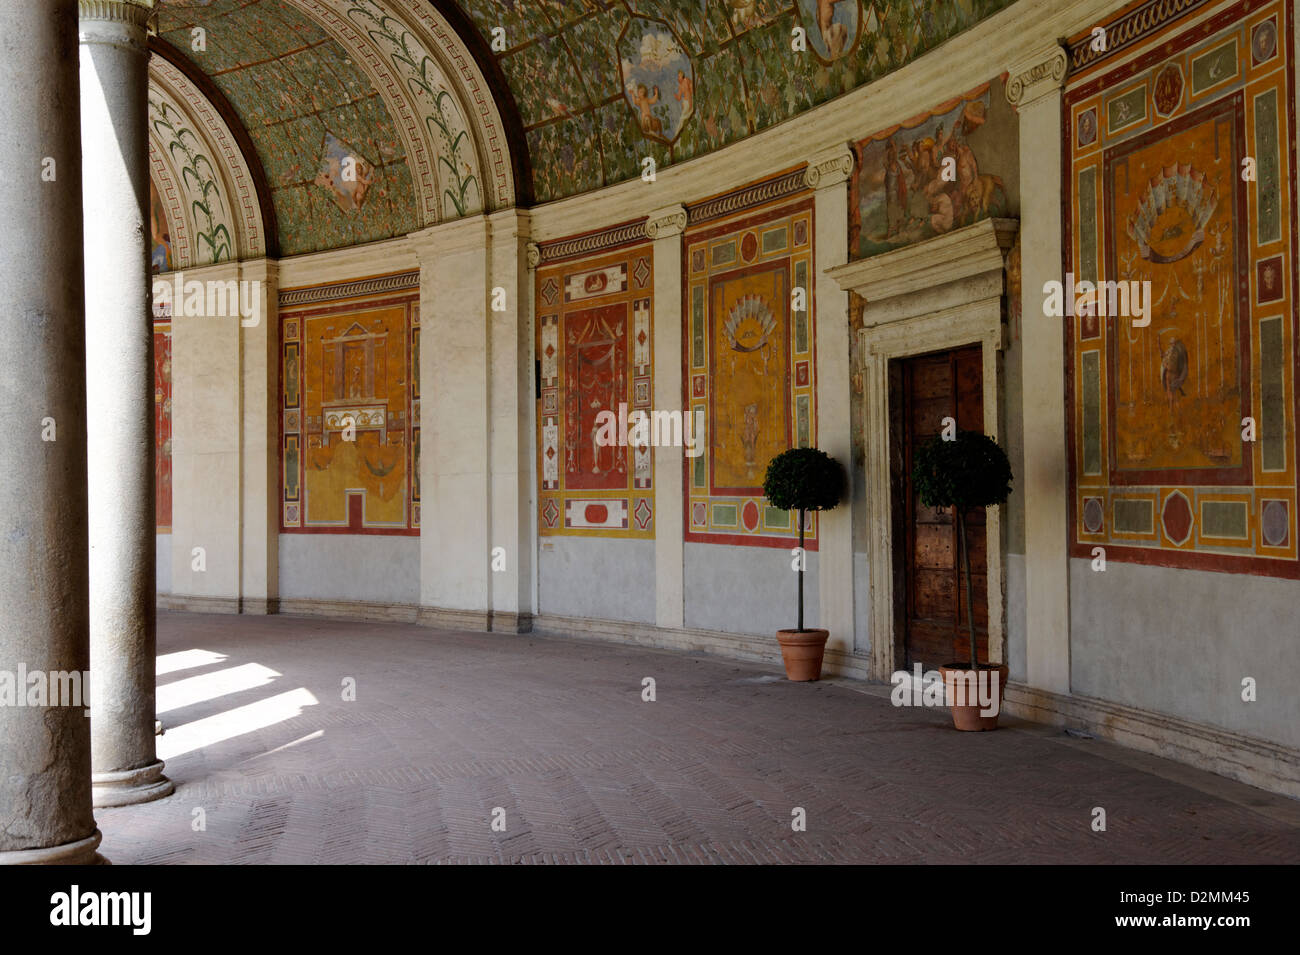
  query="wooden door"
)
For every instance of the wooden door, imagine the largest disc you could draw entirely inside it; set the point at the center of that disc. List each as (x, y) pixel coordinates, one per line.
(934, 387)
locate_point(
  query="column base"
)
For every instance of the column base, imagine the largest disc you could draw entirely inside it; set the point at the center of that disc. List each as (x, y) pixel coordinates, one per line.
(130, 786)
(81, 852)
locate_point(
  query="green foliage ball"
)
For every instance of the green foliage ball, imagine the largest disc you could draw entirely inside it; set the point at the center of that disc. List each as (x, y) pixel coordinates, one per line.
(804, 479)
(970, 471)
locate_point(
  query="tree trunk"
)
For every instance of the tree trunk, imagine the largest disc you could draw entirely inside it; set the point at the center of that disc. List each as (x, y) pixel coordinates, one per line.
(970, 592)
(802, 559)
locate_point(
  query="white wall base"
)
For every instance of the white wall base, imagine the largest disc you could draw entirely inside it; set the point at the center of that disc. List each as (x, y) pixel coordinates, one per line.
(1265, 765)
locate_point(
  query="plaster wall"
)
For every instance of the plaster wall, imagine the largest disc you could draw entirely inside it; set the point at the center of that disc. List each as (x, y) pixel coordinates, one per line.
(361, 567)
(1181, 642)
(163, 552)
(747, 589)
(598, 578)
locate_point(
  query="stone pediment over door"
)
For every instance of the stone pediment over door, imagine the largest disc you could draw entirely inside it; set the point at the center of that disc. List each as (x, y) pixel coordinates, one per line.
(944, 293)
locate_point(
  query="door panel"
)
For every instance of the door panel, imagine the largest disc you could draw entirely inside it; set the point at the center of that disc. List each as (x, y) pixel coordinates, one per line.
(934, 387)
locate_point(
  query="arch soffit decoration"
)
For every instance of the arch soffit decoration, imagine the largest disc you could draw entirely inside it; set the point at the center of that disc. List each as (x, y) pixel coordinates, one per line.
(207, 185)
(451, 128)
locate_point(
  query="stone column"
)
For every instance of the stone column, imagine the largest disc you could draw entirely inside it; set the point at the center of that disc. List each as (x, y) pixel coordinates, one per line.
(45, 759)
(119, 393)
(828, 174)
(1034, 88)
(665, 227)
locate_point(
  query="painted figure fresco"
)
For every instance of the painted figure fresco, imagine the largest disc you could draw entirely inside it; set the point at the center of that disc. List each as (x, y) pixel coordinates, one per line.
(348, 394)
(345, 174)
(935, 173)
(658, 78)
(832, 26)
(160, 240)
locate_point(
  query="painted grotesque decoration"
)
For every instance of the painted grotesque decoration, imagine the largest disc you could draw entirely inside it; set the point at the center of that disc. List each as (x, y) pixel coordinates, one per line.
(1183, 423)
(595, 348)
(748, 343)
(350, 397)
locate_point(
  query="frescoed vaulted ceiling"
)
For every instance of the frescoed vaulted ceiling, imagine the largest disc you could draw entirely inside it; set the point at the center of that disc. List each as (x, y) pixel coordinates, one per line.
(443, 108)
(713, 71)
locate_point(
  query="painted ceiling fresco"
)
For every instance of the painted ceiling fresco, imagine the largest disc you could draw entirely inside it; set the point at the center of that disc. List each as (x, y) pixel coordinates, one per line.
(600, 84)
(306, 107)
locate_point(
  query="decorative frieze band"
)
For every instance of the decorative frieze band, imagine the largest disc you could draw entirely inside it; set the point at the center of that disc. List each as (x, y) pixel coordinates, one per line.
(373, 286)
(1036, 77)
(1128, 30)
(760, 192)
(587, 244)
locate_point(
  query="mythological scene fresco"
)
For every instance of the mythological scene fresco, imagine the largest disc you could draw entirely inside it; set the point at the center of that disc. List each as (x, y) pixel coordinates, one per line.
(350, 408)
(602, 83)
(748, 361)
(1183, 437)
(595, 346)
(949, 167)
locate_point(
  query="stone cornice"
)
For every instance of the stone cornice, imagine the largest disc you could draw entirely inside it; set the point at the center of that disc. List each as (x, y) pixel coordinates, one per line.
(779, 187)
(972, 250)
(591, 242)
(829, 168)
(1128, 30)
(666, 223)
(1036, 76)
(378, 285)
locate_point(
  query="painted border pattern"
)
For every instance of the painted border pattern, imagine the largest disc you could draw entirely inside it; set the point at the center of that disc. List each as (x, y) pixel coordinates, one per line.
(1240, 522)
(703, 270)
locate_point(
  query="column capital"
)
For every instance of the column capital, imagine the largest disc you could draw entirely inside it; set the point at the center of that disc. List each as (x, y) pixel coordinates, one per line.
(534, 252)
(133, 12)
(1036, 76)
(830, 167)
(666, 222)
(121, 23)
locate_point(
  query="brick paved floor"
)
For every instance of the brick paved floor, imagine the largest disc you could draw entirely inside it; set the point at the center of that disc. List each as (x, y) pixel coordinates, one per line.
(446, 727)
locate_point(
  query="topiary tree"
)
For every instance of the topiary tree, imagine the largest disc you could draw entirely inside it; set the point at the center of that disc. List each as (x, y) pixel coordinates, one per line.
(803, 479)
(967, 472)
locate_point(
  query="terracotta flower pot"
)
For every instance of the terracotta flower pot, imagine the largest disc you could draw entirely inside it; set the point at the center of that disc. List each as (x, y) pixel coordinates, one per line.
(966, 715)
(802, 652)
